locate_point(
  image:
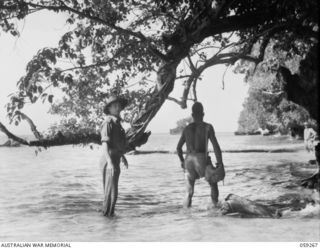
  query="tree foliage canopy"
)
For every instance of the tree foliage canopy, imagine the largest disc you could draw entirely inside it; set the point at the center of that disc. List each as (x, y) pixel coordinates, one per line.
(113, 45)
(267, 106)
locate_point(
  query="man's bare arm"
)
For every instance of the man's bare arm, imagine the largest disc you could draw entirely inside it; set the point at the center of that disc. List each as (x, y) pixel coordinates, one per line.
(216, 147)
(179, 147)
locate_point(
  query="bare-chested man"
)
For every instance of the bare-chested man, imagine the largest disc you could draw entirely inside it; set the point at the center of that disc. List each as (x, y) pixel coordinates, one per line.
(196, 136)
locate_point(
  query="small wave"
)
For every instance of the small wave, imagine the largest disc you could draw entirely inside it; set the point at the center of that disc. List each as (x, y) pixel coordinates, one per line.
(74, 185)
(163, 210)
(262, 150)
(310, 211)
(305, 204)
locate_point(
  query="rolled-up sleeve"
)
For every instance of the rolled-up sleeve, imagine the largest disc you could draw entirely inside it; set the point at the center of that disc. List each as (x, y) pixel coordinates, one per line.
(106, 132)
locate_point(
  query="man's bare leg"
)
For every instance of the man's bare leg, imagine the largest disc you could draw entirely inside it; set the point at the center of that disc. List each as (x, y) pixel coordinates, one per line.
(189, 192)
(214, 193)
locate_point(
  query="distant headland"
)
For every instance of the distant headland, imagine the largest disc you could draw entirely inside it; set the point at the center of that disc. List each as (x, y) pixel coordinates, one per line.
(181, 124)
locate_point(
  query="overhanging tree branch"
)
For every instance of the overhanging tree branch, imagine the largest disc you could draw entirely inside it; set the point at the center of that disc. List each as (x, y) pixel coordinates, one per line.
(174, 100)
(33, 127)
(225, 58)
(102, 63)
(11, 135)
(139, 35)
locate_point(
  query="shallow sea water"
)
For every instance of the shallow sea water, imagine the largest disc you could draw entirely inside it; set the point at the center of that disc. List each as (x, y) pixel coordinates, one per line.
(57, 195)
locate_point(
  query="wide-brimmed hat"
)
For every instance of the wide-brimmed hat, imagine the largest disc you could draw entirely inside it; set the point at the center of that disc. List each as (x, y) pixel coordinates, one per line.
(123, 102)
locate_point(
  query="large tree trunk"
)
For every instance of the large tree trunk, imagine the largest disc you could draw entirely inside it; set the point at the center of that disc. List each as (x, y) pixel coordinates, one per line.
(166, 76)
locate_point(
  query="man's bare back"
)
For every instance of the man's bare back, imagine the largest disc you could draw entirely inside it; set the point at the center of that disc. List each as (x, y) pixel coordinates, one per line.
(196, 136)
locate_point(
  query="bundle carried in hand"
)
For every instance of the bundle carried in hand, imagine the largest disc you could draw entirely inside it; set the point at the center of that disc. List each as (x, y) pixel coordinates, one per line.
(215, 174)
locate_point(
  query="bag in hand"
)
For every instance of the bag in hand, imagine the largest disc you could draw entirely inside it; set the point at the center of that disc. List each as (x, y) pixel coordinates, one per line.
(214, 174)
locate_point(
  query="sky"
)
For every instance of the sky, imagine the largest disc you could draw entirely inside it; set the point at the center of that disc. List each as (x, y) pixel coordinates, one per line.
(44, 29)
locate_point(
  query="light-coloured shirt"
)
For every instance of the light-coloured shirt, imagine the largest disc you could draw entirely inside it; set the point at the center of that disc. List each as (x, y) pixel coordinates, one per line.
(309, 134)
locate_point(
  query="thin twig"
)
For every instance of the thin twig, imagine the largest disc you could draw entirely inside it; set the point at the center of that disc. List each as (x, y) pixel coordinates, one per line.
(33, 127)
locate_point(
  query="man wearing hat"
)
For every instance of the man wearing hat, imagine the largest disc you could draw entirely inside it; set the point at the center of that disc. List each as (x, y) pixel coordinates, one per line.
(196, 136)
(114, 143)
